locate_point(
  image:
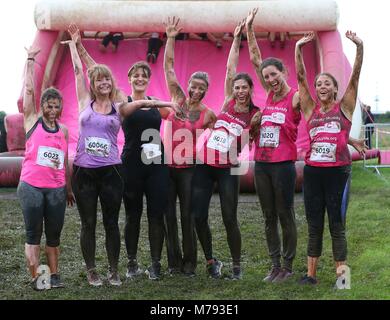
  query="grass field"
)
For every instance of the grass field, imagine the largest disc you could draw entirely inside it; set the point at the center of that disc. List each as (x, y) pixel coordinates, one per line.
(368, 225)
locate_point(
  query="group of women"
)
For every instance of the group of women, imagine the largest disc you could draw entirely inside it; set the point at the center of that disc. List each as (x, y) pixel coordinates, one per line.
(162, 175)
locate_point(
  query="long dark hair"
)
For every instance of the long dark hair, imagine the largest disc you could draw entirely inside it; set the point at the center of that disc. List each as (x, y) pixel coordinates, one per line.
(335, 83)
(248, 79)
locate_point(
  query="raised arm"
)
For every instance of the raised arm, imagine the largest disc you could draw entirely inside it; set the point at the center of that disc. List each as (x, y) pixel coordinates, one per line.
(348, 102)
(127, 108)
(254, 50)
(172, 30)
(231, 67)
(74, 32)
(306, 101)
(83, 95)
(29, 107)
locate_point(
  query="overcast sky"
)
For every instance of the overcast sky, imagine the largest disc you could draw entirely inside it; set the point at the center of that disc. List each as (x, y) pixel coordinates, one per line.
(369, 19)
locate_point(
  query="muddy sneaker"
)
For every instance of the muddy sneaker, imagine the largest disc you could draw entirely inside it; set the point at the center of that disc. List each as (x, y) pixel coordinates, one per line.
(214, 269)
(236, 273)
(272, 274)
(114, 279)
(55, 281)
(93, 278)
(173, 271)
(133, 269)
(154, 271)
(283, 276)
(306, 280)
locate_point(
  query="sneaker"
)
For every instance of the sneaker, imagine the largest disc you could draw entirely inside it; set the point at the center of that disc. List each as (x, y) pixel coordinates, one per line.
(190, 274)
(272, 274)
(114, 279)
(282, 276)
(93, 278)
(154, 271)
(308, 280)
(133, 269)
(55, 281)
(214, 269)
(154, 58)
(148, 57)
(173, 271)
(236, 273)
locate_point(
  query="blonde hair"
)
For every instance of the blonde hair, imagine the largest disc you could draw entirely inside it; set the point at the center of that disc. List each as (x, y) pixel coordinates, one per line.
(100, 71)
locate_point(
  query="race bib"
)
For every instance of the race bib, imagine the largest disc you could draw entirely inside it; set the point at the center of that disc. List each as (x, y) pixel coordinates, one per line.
(330, 127)
(323, 152)
(99, 147)
(50, 157)
(233, 128)
(276, 117)
(269, 137)
(220, 140)
(151, 150)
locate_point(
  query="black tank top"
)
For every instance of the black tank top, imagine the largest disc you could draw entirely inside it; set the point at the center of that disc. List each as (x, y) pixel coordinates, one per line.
(134, 125)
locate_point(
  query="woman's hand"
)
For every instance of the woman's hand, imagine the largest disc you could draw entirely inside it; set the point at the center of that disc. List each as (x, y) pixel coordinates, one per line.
(74, 33)
(353, 37)
(251, 17)
(171, 27)
(305, 39)
(239, 28)
(70, 199)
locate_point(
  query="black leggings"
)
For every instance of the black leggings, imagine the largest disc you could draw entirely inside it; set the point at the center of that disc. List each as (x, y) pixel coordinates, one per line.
(153, 181)
(326, 188)
(202, 190)
(180, 186)
(275, 186)
(42, 205)
(88, 185)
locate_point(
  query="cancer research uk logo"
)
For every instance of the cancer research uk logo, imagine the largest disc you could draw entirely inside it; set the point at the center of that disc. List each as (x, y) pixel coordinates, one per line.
(227, 147)
(344, 280)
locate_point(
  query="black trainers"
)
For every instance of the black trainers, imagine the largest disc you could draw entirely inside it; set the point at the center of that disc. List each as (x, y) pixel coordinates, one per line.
(133, 269)
(93, 278)
(272, 274)
(173, 271)
(214, 269)
(283, 276)
(154, 271)
(236, 273)
(308, 280)
(55, 281)
(114, 278)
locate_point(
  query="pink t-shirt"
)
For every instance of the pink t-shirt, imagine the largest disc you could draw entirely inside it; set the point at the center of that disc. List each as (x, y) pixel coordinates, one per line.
(44, 162)
(278, 130)
(180, 140)
(223, 145)
(329, 134)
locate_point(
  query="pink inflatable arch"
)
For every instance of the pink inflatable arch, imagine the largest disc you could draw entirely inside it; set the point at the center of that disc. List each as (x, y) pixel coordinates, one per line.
(54, 67)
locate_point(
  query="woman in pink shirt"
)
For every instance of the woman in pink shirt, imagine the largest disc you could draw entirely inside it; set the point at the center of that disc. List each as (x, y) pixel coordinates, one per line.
(181, 154)
(44, 187)
(274, 130)
(328, 162)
